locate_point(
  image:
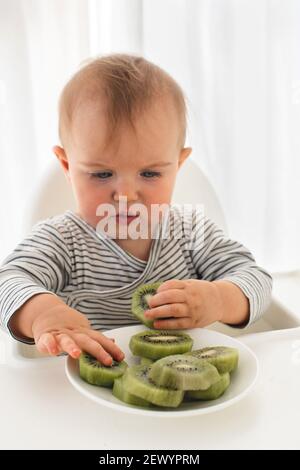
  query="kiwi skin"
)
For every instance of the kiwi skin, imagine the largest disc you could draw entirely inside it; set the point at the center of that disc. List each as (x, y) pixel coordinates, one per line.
(120, 392)
(136, 381)
(138, 308)
(213, 392)
(224, 358)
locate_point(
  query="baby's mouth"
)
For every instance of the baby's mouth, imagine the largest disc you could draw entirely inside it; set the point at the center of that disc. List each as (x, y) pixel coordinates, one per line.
(125, 218)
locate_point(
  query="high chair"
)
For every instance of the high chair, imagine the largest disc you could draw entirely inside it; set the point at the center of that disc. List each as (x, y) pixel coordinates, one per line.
(52, 195)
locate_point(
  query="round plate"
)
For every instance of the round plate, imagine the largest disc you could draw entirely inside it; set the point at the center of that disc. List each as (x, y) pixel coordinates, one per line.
(242, 380)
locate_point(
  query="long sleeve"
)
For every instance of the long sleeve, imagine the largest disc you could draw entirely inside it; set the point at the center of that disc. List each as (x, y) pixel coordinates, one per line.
(39, 264)
(215, 256)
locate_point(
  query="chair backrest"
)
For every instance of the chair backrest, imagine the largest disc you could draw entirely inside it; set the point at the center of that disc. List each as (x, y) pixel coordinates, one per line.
(193, 187)
(53, 194)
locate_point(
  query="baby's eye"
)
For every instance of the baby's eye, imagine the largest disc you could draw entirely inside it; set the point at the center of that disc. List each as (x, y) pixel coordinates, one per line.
(101, 175)
(150, 174)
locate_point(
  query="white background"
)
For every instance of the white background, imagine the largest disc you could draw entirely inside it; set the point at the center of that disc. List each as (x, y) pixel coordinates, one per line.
(238, 63)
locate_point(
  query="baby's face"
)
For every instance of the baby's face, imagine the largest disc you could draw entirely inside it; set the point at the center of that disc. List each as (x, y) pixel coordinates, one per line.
(139, 168)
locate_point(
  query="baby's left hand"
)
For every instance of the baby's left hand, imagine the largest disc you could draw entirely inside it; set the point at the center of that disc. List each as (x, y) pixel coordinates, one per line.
(187, 303)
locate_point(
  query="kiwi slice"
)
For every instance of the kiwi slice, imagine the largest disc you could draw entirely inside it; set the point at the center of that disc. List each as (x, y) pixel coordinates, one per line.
(140, 300)
(136, 380)
(155, 344)
(145, 361)
(183, 372)
(96, 373)
(225, 359)
(214, 391)
(120, 392)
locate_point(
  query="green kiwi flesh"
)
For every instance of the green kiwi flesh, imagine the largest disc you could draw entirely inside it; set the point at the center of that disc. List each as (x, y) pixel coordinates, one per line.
(96, 373)
(120, 392)
(213, 392)
(136, 380)
(225, 359)
(183, 372)
(140, 300)
(145, 361)
(155, 344)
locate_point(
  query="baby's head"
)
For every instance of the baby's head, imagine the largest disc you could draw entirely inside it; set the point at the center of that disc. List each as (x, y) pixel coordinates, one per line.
(122, 126)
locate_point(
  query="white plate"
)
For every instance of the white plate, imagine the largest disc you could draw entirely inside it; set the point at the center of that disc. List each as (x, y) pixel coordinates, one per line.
(242, 380)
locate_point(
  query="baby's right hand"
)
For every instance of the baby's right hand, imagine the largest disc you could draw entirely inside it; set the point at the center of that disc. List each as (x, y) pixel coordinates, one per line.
(64, 329)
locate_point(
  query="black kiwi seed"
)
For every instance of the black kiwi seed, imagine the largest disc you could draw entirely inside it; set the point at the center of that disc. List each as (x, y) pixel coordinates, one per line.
(144, 302)
(145, 375)
(93, 362)
(157, 344)
(191, 369)
(149, 338)
(181, 363)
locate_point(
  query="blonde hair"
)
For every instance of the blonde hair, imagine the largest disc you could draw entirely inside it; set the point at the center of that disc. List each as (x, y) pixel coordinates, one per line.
(128, 84)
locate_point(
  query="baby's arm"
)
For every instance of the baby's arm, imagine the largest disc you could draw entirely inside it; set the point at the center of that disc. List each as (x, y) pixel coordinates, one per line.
(30, 309)
(230, 287)
(244, 287)
(192, 303)
(58, 328)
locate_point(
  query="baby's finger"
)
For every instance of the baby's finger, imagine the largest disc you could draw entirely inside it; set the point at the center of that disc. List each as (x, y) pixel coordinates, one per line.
(111, 339)
(171, 284)
(107, 344)
(88, 344)
(169, 310)
(167, 297)
(173, 323)
(68, 345)
(47, 344)
(42, 348)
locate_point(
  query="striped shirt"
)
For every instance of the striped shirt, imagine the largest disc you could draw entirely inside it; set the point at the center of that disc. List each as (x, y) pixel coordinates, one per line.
(91, 273)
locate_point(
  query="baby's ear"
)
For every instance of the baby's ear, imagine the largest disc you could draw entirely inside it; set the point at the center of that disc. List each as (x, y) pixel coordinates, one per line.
(184, 153)
(63, 159)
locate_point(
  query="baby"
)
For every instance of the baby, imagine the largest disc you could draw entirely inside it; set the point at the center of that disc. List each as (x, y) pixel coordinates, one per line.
(122, 126)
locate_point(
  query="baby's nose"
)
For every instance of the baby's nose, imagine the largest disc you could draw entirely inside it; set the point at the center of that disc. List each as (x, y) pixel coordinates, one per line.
(124, 191)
